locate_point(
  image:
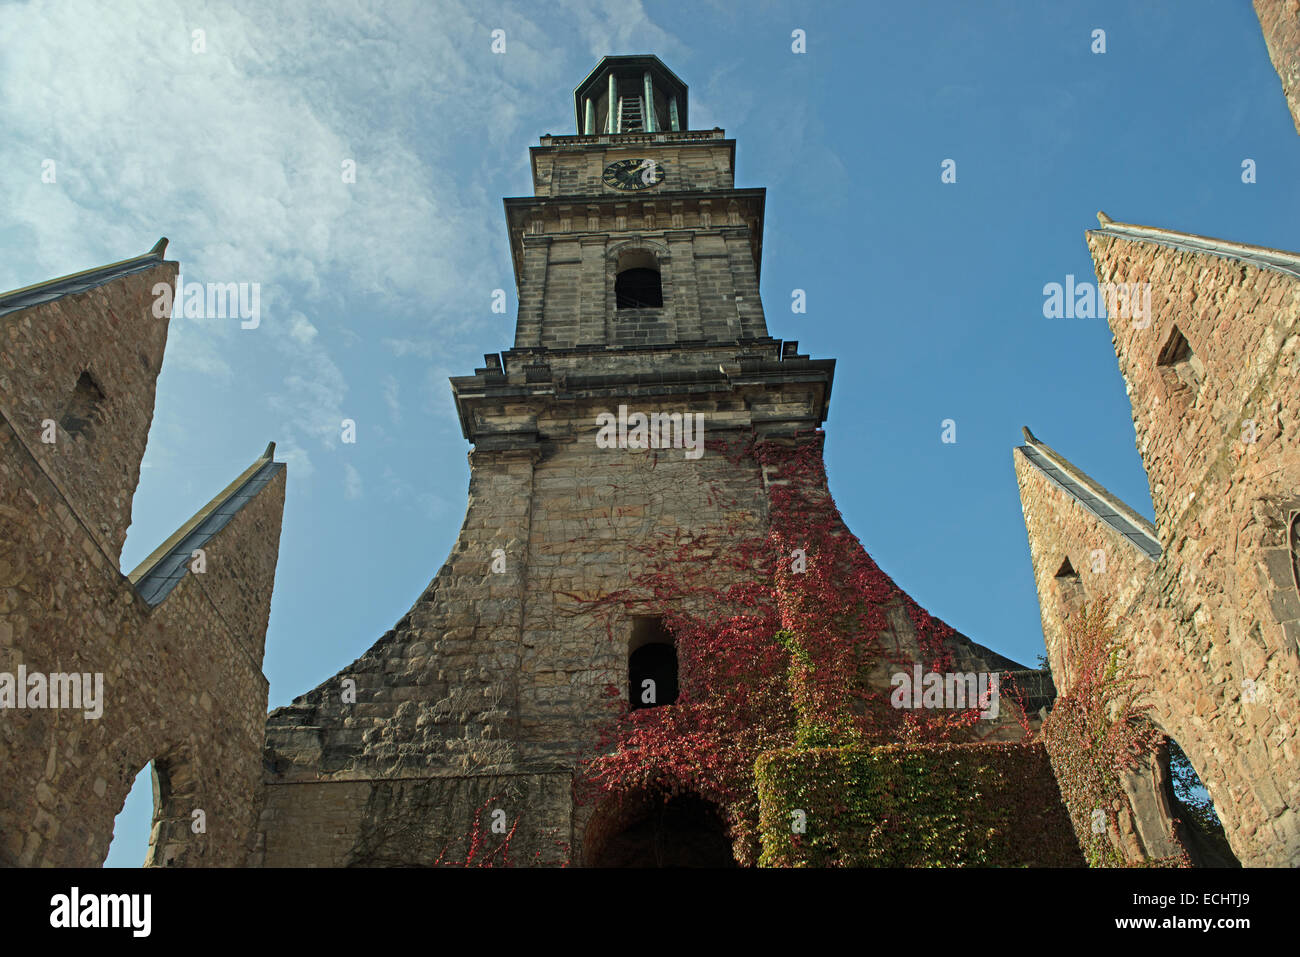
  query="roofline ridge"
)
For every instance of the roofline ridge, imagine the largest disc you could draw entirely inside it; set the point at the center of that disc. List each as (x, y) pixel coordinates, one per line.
(155, 254)
(165, 549)
(1110, 227)
(1142, 523)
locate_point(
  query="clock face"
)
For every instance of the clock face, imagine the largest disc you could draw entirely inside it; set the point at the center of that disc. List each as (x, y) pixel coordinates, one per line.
(630, 174)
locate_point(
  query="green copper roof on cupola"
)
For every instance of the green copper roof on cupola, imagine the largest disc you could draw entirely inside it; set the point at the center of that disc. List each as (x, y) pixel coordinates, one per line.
(646, 96)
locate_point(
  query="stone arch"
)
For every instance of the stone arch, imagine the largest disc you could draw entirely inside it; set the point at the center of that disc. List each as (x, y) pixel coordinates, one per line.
(124, 846)
(646, 828)
(638, 283)
(176, 796)
(639, 244)
(658, 321)
(1164, 825)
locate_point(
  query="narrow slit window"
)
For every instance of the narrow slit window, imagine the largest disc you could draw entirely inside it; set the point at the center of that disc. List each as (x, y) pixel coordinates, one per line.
(80, 413)
(1179, 364)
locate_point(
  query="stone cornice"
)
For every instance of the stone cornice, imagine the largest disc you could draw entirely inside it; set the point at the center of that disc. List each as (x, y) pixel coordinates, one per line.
(516, 400)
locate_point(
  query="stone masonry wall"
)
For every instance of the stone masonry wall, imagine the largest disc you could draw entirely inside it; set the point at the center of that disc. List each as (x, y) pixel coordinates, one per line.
(487, 693)
(1280, 20)
(1059, 529)
(182, 685)
(1216, 626)
(708, 279)
(568, 166)
(112, 334)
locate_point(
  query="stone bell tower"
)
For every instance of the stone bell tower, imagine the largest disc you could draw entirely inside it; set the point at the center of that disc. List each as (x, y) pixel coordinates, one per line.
(640, 350)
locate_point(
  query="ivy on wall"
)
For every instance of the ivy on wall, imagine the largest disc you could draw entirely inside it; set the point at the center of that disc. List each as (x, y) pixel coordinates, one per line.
(898, 805)
(1095, 732)
(782, 658)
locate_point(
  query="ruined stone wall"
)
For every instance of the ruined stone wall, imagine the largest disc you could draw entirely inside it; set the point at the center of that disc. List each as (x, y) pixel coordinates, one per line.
(1215, 626)
(111, 333)
(1059, 529)
(1280, 20)
(179, 687)
(500, 675)
(181, 684)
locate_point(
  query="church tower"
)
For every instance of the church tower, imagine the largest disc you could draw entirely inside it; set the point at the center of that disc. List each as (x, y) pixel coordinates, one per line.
(606, 500)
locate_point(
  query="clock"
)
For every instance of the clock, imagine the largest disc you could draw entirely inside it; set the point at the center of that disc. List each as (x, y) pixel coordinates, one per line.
(632, 174)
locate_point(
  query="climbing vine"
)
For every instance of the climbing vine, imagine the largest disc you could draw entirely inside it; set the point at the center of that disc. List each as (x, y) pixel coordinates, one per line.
(1095, 732)
(790, 653)
(897, 805)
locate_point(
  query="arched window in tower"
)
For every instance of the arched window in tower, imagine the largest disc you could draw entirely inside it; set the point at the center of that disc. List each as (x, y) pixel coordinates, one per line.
(637, 284)
(651, 665)
(79, 415)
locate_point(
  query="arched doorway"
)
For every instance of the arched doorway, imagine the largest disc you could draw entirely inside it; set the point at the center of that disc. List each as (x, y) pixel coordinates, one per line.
(649, 831)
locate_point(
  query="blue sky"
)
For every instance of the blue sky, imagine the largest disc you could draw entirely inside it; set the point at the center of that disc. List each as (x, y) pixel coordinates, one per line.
(929, 295)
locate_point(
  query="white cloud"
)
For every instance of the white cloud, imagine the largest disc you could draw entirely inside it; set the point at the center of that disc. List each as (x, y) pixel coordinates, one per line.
(237, 155)
(299, 462)
(301, 329)
(390, 387)
(351, 481)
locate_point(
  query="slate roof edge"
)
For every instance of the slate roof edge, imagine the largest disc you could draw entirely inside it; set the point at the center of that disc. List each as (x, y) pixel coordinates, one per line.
(1279, 260)
(165, 549)
(17, 298)
(1080, 477)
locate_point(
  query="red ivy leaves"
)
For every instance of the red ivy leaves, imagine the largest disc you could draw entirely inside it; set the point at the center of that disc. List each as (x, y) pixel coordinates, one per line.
(785, 655)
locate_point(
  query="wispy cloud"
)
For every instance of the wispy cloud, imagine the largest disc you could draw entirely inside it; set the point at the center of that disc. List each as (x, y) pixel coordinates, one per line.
(279, 146)
(351, 482)
(391, 388)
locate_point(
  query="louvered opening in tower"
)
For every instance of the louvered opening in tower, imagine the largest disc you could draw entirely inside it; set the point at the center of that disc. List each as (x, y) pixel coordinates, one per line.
(631, 109)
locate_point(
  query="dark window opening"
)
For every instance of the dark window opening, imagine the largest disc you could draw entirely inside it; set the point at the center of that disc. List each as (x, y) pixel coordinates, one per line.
(1067, 570)
(651, 665)
(638, 288)
(80, 414)
(1179, 364)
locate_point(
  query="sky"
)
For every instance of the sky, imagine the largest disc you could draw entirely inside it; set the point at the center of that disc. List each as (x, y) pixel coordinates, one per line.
(232, 141)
